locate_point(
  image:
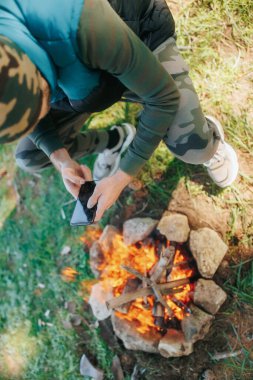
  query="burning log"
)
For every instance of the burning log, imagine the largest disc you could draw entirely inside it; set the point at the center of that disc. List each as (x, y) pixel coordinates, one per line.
(184, 264)
(131, 286)
(166, 260)
(167, 288)
(158, 313)
(181, 305)
(153, 285)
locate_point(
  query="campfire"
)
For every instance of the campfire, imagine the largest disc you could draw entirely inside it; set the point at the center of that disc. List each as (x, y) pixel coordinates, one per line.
(151, 286)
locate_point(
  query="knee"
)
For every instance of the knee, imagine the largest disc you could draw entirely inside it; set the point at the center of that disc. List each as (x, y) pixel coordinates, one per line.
(29, 158)
(194, 149)
(23, 162)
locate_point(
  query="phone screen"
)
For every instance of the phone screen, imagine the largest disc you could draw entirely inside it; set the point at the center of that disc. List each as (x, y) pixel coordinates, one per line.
(83, 215)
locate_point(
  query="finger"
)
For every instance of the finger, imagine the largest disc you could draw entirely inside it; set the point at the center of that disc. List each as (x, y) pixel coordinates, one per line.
(77, 180)
(86, 172)
(94, 198)
(102, 207)
(72, 189)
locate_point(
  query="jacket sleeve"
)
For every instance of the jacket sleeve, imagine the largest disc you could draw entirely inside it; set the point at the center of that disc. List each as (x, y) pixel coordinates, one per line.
(45, 136)
(107, 43)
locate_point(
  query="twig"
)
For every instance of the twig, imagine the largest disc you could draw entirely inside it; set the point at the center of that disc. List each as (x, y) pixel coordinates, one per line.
(225, 355)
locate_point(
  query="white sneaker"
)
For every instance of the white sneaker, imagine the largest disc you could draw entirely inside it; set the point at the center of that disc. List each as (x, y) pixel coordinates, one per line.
(107, 162)
(223, 168)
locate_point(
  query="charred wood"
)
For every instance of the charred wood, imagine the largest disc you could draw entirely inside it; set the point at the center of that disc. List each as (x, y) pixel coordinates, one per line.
(167, 288)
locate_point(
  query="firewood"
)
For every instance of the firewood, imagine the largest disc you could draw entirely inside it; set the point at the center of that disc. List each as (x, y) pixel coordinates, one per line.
(184, 264)
(131, 286)
(181, 305)
(167, 288)
(158, 310)
(160, 298)
(166, 260)
(153, 285)
(158, 313)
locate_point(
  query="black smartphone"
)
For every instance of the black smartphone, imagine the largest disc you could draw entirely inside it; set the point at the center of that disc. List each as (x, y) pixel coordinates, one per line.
(82, 215)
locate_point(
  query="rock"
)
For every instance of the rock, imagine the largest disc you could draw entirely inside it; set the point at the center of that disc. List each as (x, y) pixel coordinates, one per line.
(96, 258)
(208, 250)
(196, 325)
(87, 369)
(138, 229)
(107, 238)
(209, 296)
(201, 210)
(100, 293)
(132, 339)
(175, 227)
(173, 345)
(66, 250)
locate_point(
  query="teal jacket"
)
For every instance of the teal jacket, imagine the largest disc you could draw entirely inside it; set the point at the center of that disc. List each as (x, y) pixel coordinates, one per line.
(73, 43)
(47, 32)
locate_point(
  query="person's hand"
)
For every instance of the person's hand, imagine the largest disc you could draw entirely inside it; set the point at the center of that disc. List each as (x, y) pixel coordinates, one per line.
(107, 192)
(74, 176)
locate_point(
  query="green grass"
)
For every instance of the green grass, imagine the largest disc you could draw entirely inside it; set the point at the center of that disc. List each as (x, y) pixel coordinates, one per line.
(219, 34)
(31, 242)
(241, 291)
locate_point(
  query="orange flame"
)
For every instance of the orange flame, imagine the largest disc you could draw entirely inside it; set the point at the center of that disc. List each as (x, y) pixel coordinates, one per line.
(69, 274)
(92, 233)
(141, 258)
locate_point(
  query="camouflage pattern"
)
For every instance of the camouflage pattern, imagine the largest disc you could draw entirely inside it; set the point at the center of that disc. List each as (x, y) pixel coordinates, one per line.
(68, 127)
(190, 137)
(20, 94)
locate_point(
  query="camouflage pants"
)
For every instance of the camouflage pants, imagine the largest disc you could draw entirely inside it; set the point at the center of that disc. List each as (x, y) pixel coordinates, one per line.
(190, 138)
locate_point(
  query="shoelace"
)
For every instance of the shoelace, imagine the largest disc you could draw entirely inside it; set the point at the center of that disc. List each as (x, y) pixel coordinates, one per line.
(218, 157)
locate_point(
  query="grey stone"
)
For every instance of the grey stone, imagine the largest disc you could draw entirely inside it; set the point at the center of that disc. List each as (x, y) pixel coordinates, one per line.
(174, 344)
(87, 369)
(196, 325)
(175, 227)
(137, 229)
(107, 238)
(134, 340)
(100, 293)
(209, 296)
(208, 250)
(96, 258)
